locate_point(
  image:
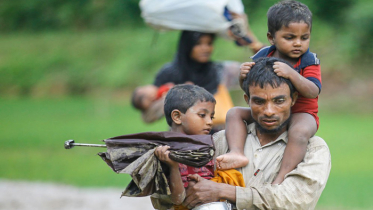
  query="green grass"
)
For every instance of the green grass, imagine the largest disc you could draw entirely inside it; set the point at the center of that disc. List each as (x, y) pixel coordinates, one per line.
(350, 142)
(33, 133)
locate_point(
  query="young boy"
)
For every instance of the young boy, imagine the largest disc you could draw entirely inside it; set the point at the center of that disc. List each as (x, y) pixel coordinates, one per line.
(189, 109)
(289, 33)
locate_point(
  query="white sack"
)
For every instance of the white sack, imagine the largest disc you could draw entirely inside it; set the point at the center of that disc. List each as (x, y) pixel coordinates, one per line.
(194, 15)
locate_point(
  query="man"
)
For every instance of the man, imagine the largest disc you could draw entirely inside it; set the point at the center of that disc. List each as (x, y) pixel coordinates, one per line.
(270, 98)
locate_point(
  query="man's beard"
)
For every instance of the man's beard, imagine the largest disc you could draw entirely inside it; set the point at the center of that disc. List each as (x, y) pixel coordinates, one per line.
(272, 131)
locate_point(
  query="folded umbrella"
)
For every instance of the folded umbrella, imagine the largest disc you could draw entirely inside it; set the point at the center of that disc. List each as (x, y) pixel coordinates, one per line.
(133, 154)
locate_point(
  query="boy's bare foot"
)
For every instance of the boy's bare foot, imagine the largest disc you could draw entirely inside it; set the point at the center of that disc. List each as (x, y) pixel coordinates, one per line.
(231, 160)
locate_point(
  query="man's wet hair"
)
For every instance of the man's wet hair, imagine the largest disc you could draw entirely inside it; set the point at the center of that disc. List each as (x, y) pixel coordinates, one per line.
(262, 74)
(182, 97)
(285, 12)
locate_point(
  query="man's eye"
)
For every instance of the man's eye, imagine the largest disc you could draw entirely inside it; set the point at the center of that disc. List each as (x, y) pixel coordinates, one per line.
(280, 101)
(258, 101)
(288, 37)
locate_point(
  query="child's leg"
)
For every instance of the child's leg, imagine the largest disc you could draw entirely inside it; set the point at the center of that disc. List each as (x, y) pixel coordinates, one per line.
(235, 132)
(302, 127)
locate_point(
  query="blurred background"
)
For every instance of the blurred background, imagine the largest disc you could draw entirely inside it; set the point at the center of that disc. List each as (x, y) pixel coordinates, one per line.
(68, 68)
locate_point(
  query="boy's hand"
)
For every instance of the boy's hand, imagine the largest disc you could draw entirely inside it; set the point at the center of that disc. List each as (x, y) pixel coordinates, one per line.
(162, 154)
(244, 70)
(283, 70)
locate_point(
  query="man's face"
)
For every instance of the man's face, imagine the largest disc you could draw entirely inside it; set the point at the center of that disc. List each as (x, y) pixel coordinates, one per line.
(270, 107)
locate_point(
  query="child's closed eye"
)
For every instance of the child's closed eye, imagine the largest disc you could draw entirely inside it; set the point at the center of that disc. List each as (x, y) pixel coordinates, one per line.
(202, 115)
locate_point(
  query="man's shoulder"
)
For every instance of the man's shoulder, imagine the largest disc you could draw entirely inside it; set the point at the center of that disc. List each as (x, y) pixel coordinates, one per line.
(317, 142)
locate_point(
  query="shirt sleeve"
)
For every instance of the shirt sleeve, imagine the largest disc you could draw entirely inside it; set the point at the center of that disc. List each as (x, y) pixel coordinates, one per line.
(313, 73)
(301, 188)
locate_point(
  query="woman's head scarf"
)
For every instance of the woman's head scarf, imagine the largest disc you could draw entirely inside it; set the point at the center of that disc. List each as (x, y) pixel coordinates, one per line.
(201, 74)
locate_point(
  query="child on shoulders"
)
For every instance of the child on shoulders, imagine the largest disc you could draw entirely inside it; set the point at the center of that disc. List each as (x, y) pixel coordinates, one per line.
(289, 33)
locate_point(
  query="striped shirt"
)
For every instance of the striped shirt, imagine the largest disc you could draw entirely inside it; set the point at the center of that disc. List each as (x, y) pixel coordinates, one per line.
(301, 188)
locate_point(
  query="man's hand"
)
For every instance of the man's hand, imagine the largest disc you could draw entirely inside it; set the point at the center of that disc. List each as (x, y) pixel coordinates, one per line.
(244, 70)
(200, 191)
(283, 70)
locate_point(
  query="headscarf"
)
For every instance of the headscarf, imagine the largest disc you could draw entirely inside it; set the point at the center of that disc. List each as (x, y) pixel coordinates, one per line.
(183, 68)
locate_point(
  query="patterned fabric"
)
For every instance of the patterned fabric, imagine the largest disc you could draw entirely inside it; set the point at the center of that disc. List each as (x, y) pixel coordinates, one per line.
(206, 171)
(301, 188)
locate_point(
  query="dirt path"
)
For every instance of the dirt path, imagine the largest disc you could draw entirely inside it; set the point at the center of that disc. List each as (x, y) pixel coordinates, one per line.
(41, 196)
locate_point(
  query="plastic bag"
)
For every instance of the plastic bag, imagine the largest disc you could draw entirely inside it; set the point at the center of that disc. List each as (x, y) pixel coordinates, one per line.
(195, 15)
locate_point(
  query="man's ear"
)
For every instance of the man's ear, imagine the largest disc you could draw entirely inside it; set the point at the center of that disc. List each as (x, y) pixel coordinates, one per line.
(247, 98)
(270, 38)
(176, 116)
(295, 97)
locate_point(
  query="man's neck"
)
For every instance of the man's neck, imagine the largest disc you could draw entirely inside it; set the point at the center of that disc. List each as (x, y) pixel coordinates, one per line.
(265, 138)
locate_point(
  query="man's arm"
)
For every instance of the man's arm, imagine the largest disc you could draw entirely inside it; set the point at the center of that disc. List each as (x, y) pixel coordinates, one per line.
(301, 188)
(201, 191)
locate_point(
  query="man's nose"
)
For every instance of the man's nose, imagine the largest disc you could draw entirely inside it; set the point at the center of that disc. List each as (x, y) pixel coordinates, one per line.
(269, 110)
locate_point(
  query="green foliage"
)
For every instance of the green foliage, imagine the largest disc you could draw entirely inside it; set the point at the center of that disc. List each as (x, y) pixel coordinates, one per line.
(77, 62)
(63, 63)
(39, 15)
(359, 26)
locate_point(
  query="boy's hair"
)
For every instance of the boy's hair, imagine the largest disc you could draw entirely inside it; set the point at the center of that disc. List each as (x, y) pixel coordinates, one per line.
(182, 97)
(262, 73)
(285, 12)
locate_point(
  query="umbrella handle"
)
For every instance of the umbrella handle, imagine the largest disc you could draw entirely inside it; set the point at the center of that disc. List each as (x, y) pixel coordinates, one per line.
(71, 143)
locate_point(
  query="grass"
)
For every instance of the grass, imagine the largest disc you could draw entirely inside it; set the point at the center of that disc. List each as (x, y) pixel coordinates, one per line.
(33, 133)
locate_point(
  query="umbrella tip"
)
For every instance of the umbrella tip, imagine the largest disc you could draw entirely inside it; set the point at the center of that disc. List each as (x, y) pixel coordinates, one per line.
(69, 144)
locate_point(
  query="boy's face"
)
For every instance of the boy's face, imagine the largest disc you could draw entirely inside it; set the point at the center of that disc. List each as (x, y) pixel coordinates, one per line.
(197, 120)
(291, 42)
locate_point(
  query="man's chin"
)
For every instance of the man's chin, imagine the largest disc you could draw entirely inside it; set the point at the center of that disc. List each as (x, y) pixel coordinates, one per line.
(263, 129)
(274, 130)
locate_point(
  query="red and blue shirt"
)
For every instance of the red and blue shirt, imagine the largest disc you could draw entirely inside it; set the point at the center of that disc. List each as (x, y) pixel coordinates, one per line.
(308, 66)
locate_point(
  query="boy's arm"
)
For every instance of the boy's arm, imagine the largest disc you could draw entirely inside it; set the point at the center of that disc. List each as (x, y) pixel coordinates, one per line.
(304, 86)
(236, 133)
(235, 128)
(176, 184)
